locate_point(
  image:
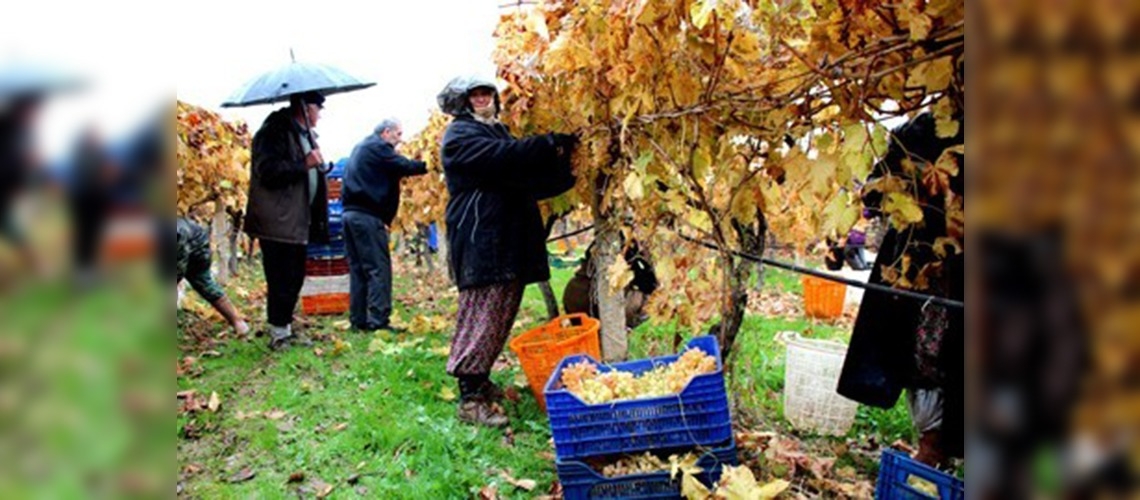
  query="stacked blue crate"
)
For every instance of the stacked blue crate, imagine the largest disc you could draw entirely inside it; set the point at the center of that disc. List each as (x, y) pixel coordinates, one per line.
(697, 419)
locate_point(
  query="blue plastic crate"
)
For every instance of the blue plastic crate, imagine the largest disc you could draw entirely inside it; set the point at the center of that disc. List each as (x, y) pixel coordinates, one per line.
(698, 416)
(333, 250)
(896, 468)
(580, 481)
(336, 227)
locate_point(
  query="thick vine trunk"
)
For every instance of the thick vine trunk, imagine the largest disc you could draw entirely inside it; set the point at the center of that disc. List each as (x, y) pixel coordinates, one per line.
(223, 251)
(737, 272)
(235, 244)
(611, 303)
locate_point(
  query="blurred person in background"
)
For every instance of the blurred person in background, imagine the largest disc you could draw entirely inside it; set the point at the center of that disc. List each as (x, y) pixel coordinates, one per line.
(18, 162)
(288, 206)
(90, 194)
(371, 199)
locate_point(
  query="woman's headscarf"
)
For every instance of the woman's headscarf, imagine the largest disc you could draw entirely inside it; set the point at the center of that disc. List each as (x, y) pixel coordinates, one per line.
(453, 98)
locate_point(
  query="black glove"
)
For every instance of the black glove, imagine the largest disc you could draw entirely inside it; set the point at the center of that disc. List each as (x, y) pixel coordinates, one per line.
(565, 141)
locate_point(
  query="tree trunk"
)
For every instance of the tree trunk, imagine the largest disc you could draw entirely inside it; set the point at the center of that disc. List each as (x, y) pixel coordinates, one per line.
(737, 272)
(551, 301)
(234, 237)
(220, 235)
(611, 303)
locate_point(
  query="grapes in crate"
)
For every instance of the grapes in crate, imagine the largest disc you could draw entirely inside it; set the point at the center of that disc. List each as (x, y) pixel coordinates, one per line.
(645, 463)
(583, 379)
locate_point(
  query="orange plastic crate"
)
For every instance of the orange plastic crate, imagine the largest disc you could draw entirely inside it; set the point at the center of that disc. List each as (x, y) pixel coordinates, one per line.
(330, 303)
(823, 298)
(336, 187)
(541, 349)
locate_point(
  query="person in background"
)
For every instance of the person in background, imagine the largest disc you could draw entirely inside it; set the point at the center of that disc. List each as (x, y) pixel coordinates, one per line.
(371, 200)
(18, 160)
(851, 251)
(496, 238)
(93, 176)
(288, 206)
(193, 264)
(578, 296)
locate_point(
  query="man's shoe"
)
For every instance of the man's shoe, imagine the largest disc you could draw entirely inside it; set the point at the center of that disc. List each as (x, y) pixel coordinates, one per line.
(390, 328)
(280, 343)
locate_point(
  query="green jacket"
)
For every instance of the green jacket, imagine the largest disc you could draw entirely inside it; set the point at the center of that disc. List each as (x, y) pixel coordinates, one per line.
(193, 260)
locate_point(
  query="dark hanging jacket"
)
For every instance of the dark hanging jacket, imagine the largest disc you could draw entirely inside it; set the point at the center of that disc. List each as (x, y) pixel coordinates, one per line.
(372, 178)
(279, 209)
(880, 360)
(494, 229)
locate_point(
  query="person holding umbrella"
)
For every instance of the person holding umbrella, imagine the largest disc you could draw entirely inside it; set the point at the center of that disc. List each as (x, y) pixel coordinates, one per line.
(287, 206)
(496, 238)
(288, 201)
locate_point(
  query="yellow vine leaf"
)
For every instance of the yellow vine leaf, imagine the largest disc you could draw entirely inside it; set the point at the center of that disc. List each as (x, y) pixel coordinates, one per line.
(701, 11)
(920, 25)
(904, 211)
(619, 275)
(934, 75)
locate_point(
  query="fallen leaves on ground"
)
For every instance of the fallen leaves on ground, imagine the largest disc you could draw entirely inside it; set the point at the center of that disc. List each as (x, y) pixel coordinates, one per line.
(320, 488)
(785, 457)
(188, 367)
(489, 492)
(736, 483)
(446, 393)
(243, 475)
(383, 345)
(771, 302)
(512, 394)
(526, 484)
(192, 402)
(340, 346)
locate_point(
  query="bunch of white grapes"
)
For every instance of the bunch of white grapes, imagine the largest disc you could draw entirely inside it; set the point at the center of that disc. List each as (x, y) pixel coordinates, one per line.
(583, 380)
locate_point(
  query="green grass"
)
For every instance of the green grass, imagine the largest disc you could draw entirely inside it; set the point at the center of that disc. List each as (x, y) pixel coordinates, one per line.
(84, 374)
(402, 437)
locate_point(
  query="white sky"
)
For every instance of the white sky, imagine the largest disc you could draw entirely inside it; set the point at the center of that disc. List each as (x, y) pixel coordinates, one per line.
(409, 48)
(138, 55)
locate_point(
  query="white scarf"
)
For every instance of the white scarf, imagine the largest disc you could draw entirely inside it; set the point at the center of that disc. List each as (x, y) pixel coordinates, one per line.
(488, 116)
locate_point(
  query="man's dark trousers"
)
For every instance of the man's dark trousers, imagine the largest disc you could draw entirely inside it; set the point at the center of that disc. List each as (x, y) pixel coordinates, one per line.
(370, 270)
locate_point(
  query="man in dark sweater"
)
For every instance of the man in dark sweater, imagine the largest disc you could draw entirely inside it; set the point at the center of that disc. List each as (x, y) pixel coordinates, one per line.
(371, 198)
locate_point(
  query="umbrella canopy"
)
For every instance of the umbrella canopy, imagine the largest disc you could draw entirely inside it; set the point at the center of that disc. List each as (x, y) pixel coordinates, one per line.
(294, 78)
(19, 78)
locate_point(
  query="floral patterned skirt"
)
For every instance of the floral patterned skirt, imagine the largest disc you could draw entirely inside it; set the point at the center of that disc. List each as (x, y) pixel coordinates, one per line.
(482, 327)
